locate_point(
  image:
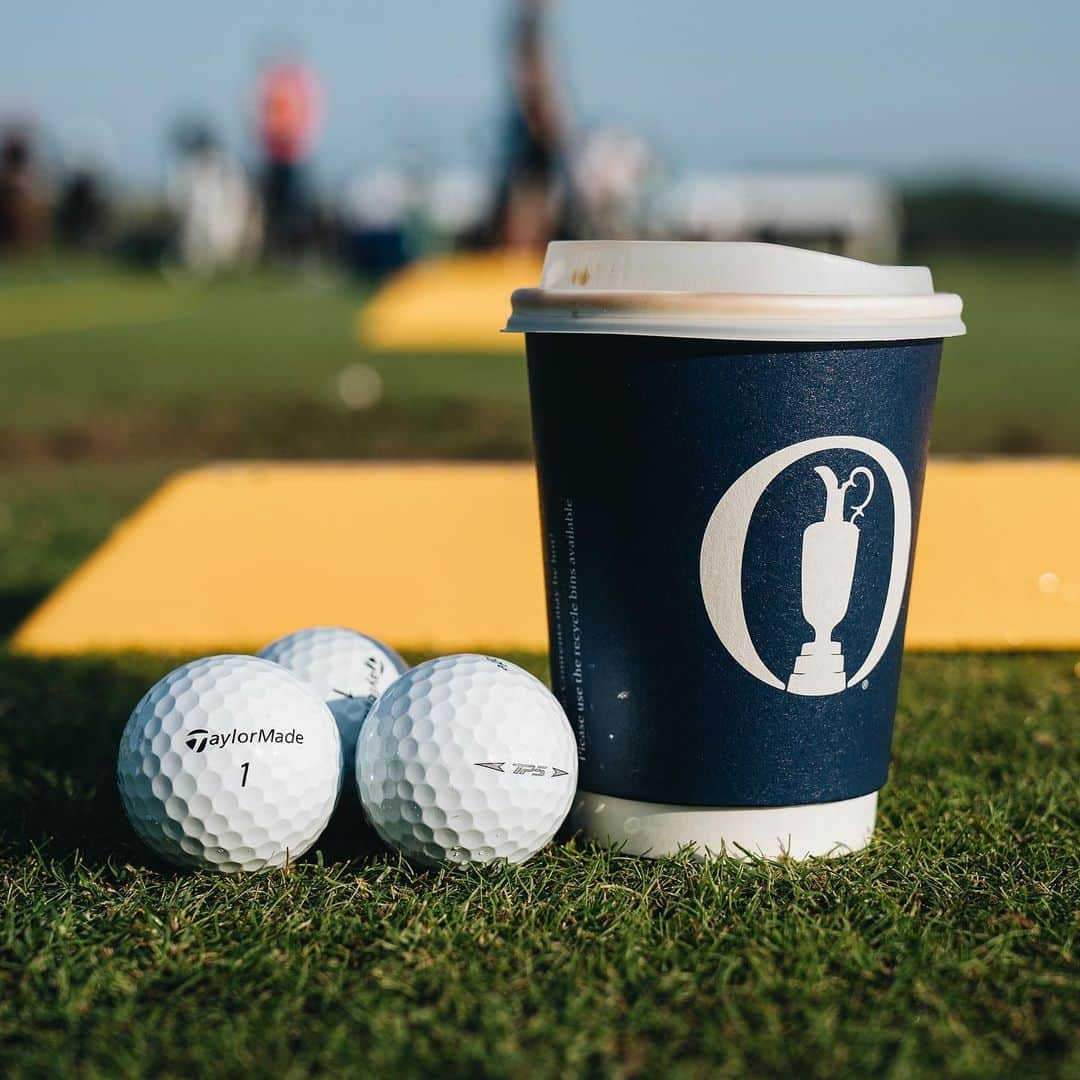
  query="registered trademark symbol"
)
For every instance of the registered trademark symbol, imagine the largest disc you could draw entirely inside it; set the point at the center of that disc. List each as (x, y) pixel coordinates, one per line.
(866, 684)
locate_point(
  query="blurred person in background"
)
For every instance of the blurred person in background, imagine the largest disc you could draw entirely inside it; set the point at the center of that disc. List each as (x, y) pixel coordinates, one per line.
(219, 217)
(457, 208)
(24, 197)
(290, 103)
(610, 171)
(532, 200)
(376, 213)
(82, 215)
(82, 210)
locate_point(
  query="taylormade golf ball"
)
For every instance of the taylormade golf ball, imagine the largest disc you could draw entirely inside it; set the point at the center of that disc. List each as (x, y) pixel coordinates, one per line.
(230, 763)
(347, 669)
(466, 759)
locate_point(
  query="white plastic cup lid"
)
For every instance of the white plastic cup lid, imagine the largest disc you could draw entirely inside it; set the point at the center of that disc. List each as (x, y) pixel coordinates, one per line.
(730, 291)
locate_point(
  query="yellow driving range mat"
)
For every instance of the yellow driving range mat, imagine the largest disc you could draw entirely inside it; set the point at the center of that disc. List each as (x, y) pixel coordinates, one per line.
(454, 303)
(447, 557)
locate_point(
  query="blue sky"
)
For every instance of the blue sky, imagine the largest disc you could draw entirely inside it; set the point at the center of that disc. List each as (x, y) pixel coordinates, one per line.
(906, 88)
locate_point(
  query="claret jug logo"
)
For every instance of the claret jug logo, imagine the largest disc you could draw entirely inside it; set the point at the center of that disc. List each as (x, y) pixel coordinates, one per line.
(829, 561)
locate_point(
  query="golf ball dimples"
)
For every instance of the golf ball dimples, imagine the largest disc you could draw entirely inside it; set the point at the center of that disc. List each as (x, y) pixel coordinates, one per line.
(230, 763)
(466, 759)
(347, 669)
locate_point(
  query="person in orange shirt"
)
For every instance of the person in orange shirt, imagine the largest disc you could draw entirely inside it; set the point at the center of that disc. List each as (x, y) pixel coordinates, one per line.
(289, 116)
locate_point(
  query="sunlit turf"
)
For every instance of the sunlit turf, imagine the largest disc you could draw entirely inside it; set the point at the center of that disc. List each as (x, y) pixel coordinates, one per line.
(108, 364)
(1012, 384)
(91, 349)
(53, 516)
(949, 947)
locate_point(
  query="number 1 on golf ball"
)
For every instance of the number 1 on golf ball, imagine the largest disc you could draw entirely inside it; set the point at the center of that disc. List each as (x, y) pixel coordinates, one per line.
(466, 759)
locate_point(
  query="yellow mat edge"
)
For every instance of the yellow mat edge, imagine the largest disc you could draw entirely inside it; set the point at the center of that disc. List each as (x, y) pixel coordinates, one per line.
(24, 640)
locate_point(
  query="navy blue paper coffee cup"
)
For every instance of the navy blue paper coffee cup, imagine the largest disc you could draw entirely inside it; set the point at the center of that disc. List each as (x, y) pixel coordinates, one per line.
(731, 441)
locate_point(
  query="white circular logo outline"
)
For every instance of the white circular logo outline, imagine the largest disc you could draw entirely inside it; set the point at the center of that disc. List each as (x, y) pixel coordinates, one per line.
(724, 541)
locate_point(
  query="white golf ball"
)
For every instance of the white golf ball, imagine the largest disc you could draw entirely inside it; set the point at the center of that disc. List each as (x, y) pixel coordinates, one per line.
(230, 763)
(466, 759)
(347, 669)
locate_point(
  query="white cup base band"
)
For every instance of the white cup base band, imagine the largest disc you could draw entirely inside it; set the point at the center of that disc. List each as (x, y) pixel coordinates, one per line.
(797, 832)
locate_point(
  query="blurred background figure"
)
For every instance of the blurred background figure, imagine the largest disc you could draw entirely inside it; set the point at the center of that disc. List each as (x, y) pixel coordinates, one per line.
(82, 217)
(456, 205)
(24, 199)
(219, 221)
(376, 215)
(532, 197)
(290, 105)
(610, 173)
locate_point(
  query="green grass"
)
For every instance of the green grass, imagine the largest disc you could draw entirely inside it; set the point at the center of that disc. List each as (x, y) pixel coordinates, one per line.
(1012, 384)
(241, 366)
(53, 516)
(949, 947)
(101, 364)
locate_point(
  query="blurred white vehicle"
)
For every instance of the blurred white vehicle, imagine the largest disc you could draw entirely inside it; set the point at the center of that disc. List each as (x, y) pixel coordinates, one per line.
(848, 213)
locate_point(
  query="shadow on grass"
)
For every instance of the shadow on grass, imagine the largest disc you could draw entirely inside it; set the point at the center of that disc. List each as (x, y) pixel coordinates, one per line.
(16, 604)
(60, 722)
(274, 426)
(60, 725)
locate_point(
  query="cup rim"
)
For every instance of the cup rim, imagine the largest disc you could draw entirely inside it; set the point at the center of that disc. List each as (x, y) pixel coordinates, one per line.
(789, 294)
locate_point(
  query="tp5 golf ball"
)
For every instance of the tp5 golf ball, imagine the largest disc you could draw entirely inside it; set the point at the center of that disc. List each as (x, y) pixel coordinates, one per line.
(347, 669)
(466, 759)
(230, 763)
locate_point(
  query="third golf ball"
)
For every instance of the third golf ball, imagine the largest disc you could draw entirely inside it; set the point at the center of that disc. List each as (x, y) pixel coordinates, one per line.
(466, 759)
(347, 669)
